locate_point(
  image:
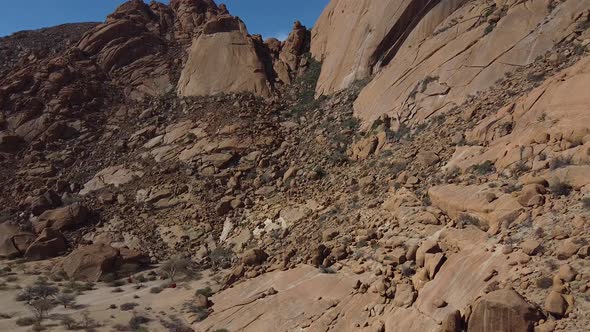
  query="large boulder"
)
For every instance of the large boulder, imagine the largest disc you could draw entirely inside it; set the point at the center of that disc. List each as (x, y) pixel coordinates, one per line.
(62, 218)
(503, 310)
(46, 201)
(49, 244)
(89, 263)
(13, 242)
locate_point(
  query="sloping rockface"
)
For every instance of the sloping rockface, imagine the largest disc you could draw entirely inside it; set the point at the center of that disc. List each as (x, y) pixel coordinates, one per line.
(431, 55)
(352, 38)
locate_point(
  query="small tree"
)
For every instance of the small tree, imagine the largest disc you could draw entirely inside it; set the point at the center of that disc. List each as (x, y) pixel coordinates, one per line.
(65, 299)
(41, 308)
(174, 266)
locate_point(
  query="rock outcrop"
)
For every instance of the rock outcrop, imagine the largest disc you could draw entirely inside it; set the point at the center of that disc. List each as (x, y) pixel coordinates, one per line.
(13, 241)
(90, 262)
(234, 66)
(503, 310)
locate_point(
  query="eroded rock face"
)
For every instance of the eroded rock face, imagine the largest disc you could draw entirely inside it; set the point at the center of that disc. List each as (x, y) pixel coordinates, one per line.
(503, 310)
(430, 55)
(233, 67)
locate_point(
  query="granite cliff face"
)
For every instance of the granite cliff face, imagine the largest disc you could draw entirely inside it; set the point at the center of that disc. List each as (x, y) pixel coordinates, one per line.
(406, 165)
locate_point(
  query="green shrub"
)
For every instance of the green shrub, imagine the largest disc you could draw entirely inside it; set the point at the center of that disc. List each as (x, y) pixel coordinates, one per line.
(207, 291)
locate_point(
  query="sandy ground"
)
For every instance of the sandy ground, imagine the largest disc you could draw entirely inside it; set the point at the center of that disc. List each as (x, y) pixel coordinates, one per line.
(165, 306)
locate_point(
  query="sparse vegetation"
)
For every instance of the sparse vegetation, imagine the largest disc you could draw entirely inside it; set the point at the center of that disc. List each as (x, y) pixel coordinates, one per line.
(207, 291)
(128, 306)
(467, 219)
(484, 168)
(41, 308)
(175, 266)
(221, 256)
(326, 270)
(559, 162)
(67, 300)
(306, 100)
(586, 203)
(137, 321)
(560, 188)
(25, 321)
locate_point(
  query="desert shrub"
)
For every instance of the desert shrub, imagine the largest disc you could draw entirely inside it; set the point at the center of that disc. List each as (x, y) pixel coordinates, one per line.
(41, 308)
(141, 278)
(221, 330)
(559, 162)
(11, 279)
(117, 283)
(207, 291)
(521, 167)
(200, 313)
(175, 266)
(467, 219)
(484, 168)
(117, 290)
(586, 203)
(326, 270)
(511, 187)
(175, 325)
(128, 306)
(306, 100)
(560, 188)
(156, 290)
(220, 256)
(65, 299)
(5, 316)
(362, 244)
(69, 323)
(136, 322)
(25, 321)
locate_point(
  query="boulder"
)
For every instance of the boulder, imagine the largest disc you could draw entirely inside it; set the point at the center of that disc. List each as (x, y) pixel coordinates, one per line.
(254, 257)
(89, 263)
(49, 244)
(404, 295)
(13, 242)
(556, 304)
(503, 310)
(61, 219)
(44, 202)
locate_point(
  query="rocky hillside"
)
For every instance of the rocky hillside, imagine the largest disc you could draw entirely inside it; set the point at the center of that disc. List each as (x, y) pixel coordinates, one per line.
(404, 166)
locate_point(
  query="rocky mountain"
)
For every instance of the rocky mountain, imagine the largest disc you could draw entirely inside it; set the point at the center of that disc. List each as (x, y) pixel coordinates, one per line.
(405, 165)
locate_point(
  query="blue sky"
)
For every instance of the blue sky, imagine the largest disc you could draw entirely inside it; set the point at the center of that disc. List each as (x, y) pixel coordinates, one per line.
(271, 18)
